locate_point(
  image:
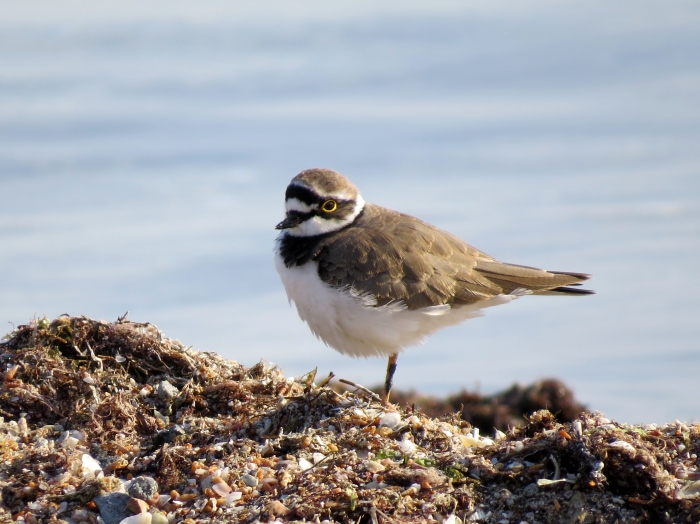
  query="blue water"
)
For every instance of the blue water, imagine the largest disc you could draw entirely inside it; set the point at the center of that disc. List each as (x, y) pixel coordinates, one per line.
(144, 153)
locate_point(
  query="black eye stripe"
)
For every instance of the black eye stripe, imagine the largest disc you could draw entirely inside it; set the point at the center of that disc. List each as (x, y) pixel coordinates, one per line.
(302, 194)
(301, 214)
(311, 198)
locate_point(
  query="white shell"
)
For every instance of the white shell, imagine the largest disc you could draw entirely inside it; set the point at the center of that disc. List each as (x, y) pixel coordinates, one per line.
(390, 419)
(233, 497)
(141, 518)
(90, 465)
(407, 446)
(304, 464)
(624, 447)
(221, 488)
(374, 466)
(690, 490)
(159, 518)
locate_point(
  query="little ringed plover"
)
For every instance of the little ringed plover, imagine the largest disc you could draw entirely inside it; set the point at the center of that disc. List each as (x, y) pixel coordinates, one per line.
(370, 281)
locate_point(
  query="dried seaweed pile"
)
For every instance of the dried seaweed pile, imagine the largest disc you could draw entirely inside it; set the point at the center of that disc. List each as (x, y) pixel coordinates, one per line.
(111, 422)
(502, 410)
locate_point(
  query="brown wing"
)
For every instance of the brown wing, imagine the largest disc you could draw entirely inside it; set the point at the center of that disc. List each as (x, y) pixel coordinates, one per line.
(397, 257)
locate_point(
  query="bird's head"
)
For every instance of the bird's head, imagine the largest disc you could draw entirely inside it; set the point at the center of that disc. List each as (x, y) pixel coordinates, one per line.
(320, 201)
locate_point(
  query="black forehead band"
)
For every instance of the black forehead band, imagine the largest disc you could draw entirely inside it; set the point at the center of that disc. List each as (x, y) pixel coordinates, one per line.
(308, 196)
(302, 194)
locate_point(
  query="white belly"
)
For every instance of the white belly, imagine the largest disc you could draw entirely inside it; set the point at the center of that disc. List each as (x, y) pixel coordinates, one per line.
(351, 324)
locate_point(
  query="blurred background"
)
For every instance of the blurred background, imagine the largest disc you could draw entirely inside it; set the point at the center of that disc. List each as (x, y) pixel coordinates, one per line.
(145, 149)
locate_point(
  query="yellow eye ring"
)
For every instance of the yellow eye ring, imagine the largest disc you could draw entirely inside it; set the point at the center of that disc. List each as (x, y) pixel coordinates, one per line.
(329, 206)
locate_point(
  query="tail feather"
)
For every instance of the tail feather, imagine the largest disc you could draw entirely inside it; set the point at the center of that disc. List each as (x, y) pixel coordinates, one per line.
(566, 290)
(511, 276)
(581, 276)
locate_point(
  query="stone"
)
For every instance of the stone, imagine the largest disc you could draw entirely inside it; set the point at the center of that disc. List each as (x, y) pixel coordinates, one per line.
(250, 480)
(144, 488)
(167, 391)
(530, 490)
(113, 507)
(168, 435)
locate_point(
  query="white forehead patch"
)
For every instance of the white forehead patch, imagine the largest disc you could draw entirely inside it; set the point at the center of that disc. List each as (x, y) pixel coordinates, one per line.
(294, 204)
(342, 195)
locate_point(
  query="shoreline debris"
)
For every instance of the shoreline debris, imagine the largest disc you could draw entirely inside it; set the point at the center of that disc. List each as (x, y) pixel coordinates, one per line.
(112, 422)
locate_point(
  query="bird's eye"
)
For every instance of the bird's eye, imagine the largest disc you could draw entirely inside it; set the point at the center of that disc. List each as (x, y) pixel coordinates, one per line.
(329, 206)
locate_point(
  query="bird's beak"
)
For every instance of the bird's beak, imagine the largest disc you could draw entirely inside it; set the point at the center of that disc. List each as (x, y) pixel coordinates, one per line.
(290, 221)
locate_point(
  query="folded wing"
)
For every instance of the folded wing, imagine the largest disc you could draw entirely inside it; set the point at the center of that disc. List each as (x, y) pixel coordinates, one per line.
(399, 258)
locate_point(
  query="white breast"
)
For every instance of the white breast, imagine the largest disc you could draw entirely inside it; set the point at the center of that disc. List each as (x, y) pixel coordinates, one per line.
(351, 323)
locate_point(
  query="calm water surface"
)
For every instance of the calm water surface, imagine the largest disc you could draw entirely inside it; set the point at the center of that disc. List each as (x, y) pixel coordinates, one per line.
(144, 153)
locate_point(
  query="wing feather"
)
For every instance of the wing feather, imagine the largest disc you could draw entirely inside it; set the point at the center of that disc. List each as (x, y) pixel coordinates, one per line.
(398, 258)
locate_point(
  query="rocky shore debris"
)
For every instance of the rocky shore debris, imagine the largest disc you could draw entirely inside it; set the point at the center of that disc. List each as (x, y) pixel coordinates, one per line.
(90, 433)
(501, 410)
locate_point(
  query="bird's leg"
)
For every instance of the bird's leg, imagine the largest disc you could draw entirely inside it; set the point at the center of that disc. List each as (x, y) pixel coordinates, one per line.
(390, 370)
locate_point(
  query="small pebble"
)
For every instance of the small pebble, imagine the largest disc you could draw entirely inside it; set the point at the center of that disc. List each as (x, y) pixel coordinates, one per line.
(250, 480)
(144, 488)
(530, 490)
(80, 515)
(112, 507)
(168, 435)
(167, 391)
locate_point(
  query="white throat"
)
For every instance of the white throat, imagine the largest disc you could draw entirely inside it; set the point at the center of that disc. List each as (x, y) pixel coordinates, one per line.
(317, 225)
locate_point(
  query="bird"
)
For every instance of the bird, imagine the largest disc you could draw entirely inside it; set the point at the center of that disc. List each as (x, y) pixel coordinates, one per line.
(371, 282)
